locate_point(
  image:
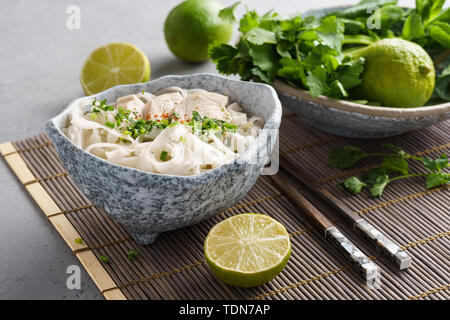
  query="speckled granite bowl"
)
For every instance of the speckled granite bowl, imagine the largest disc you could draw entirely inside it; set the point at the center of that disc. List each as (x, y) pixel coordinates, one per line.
(355, 120)
(147, 204)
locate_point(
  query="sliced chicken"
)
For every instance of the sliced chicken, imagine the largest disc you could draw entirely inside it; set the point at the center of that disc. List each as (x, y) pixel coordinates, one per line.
(146, 97)
(132, 103)
(207, 104)
(162, 106)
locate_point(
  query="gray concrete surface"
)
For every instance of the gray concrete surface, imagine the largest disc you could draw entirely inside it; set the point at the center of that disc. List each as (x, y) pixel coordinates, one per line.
(40, 61)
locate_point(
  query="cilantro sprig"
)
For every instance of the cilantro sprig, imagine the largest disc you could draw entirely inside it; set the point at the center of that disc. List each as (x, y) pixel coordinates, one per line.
(394, 166)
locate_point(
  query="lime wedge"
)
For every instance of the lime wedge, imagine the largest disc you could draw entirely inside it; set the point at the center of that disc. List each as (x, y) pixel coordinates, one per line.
(247, 250)
(113, 64)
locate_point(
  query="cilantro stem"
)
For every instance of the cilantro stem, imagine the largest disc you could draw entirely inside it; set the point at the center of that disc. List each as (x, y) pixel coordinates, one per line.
(408, 176)
(382, 154)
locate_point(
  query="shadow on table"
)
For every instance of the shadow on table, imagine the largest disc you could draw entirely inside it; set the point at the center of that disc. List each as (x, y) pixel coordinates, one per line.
(173, 65)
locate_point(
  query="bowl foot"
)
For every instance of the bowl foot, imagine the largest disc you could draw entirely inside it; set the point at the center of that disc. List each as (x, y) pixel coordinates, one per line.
(145, 238)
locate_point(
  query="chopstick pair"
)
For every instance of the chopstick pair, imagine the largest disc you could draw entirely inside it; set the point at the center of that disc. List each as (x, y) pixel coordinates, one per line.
(382, 243)
(367, 268)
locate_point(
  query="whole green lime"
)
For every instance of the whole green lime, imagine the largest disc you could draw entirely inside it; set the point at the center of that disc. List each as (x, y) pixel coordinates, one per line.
(192, 25)
(397, 73)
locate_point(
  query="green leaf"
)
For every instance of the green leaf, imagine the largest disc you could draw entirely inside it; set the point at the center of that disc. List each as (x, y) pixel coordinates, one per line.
(440, 32)
(228, 14)
(261, 75)
(259, 36)
(316, 81)
(360, 9)
(389, 15)
(249, 21)
(396, 149)
(436, 165)
(372, 176)
(378, 188)
(413, 27)
(353, 185)
(292, 70)
(337, 90)
(437, 179)
(265, 57)
(444, 16)
(345, 157)
(435, 8)
(395, 165)
(349, 73)
(223, 55)
(331, 32)
(443, 84)
(78, 240)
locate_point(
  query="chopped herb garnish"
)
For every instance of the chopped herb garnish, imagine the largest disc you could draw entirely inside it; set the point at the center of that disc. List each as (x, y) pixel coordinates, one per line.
(163, 155)
(78, 240)
(132, 254)
(110, 124)
(127, 122)
(103, 258)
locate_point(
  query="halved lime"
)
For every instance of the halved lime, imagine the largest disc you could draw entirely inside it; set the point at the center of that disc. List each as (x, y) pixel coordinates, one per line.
(247, 250)
(113, 64)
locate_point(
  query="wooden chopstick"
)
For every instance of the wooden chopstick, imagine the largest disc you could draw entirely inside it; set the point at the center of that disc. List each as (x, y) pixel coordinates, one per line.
(366, 268)
(382, 243)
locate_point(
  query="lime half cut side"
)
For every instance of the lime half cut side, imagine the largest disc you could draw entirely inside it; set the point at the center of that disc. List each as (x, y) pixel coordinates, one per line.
(114, 64)
(247, 250)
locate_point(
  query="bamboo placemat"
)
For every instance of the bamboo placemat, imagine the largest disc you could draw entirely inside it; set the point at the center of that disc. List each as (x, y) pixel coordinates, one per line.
(174, 267)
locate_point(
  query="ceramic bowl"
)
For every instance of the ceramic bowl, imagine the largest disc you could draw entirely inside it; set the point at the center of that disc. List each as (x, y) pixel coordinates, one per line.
(147, 204)
(355, 120)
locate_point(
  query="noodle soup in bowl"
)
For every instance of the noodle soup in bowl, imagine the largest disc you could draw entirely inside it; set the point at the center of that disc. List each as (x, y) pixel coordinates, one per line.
(147, 203)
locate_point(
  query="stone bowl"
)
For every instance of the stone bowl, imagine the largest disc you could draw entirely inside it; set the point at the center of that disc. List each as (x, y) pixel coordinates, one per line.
(147, 204)
(355, 120)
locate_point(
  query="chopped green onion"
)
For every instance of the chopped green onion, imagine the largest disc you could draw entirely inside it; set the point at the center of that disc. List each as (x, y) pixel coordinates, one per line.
(163, 155)
(103, 259)
(109, 124)
(78, 240)
(132, 254)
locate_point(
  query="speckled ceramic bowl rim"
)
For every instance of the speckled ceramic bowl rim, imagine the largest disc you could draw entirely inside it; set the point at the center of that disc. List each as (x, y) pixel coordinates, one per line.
(273, 122)
(384, 112)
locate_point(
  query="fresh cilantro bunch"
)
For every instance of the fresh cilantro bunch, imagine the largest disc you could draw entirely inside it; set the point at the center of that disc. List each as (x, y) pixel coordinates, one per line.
(306, 53)
(394, 167)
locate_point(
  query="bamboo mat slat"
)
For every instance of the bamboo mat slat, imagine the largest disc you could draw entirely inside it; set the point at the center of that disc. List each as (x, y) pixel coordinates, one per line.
(174, 267)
